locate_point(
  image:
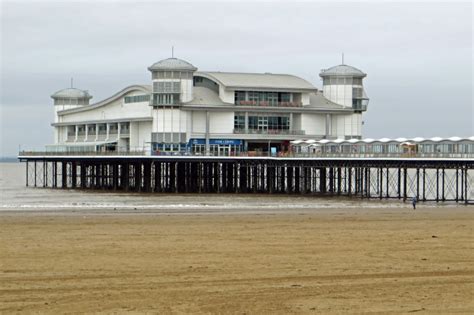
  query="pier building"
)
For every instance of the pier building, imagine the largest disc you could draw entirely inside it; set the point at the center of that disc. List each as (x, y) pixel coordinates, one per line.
(183, 110)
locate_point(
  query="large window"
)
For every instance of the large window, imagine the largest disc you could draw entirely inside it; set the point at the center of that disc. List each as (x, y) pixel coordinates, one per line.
(263, 123)
(165, 99)
(166, 87)
(136, 99)
(263, 98)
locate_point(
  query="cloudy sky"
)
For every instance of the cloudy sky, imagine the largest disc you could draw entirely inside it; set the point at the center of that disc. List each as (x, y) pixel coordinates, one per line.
(418, 56)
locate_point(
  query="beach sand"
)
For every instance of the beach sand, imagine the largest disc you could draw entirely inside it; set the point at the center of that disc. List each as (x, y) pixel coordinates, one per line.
(326, 261)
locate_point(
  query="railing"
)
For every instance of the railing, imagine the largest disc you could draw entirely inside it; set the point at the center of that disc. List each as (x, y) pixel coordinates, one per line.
(84, 153)
(269, 104)
(287, 154)
(269, 131)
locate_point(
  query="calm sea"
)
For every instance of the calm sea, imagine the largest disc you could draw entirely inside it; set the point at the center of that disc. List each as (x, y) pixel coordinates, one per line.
(16, 196)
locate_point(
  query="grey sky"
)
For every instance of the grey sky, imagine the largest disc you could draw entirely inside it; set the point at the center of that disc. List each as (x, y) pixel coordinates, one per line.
(418, 57)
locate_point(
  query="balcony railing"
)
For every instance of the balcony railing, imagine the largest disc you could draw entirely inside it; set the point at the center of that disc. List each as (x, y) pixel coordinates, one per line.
(269, 104)
(269, 132)
(360, 107)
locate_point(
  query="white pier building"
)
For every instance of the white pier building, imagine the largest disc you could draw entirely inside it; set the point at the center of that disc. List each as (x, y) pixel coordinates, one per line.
(218, 113)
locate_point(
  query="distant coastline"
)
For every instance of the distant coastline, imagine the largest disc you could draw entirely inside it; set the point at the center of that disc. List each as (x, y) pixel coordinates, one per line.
(8, 159)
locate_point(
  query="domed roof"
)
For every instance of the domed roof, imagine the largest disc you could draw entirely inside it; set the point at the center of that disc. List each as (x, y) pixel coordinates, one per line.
(342, 70)
(172, 64)
(71, 93)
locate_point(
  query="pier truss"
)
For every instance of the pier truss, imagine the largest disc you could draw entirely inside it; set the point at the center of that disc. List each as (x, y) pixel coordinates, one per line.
(427, 179)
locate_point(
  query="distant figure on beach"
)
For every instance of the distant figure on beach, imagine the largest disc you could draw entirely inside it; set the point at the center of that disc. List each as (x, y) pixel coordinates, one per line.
(413, 202)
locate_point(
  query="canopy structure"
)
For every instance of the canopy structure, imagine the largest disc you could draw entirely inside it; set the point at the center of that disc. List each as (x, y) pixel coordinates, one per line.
(436, 146)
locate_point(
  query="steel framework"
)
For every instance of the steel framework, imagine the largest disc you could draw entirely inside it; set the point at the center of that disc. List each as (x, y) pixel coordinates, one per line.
(429, 180)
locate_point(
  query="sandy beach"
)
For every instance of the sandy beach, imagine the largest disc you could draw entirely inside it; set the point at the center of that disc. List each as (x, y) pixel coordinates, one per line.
(327, 261)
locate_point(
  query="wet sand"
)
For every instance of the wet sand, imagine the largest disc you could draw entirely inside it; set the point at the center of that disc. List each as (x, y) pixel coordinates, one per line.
(327, 261)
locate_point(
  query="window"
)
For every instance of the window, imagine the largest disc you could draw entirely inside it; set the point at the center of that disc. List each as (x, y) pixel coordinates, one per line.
(357, 93)
(253, 96)
(136, 99)
(165, 99)
(239, 122)
(166, 87)
(285, 97)
(239, 96)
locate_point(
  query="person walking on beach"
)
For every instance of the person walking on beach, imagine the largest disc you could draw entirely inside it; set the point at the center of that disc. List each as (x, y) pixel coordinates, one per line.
(413, 202)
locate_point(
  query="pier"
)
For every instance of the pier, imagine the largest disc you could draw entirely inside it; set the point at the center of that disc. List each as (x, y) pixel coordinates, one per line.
(427, 179)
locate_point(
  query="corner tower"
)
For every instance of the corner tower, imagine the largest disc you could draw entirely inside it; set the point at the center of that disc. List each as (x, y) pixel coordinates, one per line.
(69, 98)
(172, 82)
(343, 85)
(172, 85)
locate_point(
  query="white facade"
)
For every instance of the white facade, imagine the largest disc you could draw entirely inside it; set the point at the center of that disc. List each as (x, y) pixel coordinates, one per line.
(183, 110)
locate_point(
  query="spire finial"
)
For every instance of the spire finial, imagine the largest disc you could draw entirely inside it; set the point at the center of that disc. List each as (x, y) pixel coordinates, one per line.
(342, 58)
(172, 51)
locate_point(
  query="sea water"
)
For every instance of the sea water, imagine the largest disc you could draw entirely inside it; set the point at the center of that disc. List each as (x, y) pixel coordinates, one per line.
(15, 196)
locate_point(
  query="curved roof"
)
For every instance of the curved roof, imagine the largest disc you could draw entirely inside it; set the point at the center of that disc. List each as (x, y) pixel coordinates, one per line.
(172, 64)
(342, 70)
(71, 93)
(116, 96)
(269, 81)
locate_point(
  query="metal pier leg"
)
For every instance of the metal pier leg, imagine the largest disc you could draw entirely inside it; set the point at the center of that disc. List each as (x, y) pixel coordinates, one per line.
(380, 171)
(349, 181)
(457, 186)
(424, 184)
(442, 189)
(322, 180)
(417, 183)
(405, 184)
(35, 173)
(437, 184)
(26, 175)
(73, 174)
(388, 184)
(64, 174)
(399, 183)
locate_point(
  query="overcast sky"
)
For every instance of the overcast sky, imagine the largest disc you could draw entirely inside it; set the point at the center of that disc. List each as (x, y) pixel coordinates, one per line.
(418, 57)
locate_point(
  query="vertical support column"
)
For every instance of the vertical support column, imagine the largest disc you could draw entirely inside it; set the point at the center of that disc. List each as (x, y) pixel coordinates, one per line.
(437, 184)
(115, 175)
(158, 186)
(322, 180)
(289, 181)
(64, 174)
(457, 188)
(380, 173)
(443, 197)
(405, 184)
(417, 183)
(387, 186)
(331, 180)
(73, 174)
(399, 183)
(466, 179)
(297, 179)
(349, 180)
(339, 180)
(26, 173)
(35, 172)
(424, 184)
(83, 174)
(208, 148)
(246, 125)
